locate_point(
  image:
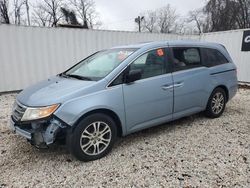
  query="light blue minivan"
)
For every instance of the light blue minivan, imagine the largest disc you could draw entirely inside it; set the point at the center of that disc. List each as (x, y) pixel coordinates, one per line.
(122, 90)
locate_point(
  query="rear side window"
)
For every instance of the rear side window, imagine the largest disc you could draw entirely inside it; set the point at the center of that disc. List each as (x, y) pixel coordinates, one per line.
(212, 57)
(186, 58)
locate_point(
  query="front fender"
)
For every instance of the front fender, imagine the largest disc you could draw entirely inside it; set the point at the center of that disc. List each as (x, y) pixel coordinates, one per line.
(109, 98)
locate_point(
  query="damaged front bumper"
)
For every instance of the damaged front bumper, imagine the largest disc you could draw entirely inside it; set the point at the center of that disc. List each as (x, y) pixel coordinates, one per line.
(40, 133)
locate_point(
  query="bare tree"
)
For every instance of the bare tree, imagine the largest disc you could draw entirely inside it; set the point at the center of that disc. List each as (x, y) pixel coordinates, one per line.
(4, 11)
(86, 11)
(149, 21)
(40, 17)
(164, 20)
(167, 19)
(48, 12)
(195, 16)
(18, 4)
(180, 27)
(93, 19)
(52, 10)
(198, 17)
(27, 11)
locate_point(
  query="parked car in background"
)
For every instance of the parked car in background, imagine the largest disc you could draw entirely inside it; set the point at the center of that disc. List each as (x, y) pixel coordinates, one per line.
(122, 90)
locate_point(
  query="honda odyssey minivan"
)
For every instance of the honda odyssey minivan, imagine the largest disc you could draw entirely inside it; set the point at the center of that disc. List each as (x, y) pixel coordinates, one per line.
(122, 90)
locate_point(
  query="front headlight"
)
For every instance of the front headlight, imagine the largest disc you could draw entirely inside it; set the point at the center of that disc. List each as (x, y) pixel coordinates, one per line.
(39, 112)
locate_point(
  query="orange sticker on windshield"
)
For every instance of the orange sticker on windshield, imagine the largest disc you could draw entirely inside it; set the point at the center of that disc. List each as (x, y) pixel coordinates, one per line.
(123, 55)
(160, 52)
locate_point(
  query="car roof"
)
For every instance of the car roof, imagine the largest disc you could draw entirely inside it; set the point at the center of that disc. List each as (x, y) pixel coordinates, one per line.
(177, 43)
(172, 43)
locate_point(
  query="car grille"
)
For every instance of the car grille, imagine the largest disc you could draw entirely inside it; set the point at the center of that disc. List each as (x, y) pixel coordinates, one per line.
(18, 111)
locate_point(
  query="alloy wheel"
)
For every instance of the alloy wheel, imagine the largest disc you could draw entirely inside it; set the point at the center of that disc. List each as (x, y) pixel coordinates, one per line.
(95, 138)
(218, 103)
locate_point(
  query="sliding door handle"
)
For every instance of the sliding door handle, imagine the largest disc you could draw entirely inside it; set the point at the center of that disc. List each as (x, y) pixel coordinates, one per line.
(178, 85)
(167, 87)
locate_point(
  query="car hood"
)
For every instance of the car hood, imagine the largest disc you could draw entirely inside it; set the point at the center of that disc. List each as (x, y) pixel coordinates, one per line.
(52, 91)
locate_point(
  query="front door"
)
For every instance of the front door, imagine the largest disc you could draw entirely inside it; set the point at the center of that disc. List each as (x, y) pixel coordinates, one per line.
(149, 101)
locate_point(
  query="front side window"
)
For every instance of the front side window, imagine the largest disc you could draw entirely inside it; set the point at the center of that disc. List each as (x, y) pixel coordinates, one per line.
(186, 58)
(213, 57)
(151, 63)
(100, 64)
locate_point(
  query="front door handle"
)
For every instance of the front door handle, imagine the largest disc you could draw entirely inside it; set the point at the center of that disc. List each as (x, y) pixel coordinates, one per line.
(167, 87)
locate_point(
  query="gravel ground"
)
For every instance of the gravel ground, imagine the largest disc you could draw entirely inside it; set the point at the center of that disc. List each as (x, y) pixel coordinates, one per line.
(191, 152)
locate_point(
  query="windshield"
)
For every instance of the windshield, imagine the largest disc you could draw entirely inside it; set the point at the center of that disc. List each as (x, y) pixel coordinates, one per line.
(99, 65)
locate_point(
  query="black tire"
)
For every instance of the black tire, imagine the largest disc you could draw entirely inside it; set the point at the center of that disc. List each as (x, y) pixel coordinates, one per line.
(210, 111)
(74, 139)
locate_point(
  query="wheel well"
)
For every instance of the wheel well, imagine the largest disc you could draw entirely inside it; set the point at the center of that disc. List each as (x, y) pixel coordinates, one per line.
(109, 113)
(225, 89)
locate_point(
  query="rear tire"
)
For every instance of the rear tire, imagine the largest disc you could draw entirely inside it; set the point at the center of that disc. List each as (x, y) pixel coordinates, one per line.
(216, 103)
(92, 138)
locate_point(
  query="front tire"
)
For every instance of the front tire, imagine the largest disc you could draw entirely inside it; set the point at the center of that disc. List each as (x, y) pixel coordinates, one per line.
(92, 138)
(216, 103)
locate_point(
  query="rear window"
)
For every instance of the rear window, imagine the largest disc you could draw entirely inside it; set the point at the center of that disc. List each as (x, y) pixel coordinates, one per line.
(212, 57)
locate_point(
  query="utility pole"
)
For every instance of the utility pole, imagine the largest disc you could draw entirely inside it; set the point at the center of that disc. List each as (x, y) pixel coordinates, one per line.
(138, 21)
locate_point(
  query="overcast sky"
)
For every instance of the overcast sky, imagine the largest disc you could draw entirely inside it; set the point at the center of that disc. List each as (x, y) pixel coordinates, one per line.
(120, 14)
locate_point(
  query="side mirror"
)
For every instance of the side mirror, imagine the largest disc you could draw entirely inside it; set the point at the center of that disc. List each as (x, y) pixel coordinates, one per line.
(133, 75)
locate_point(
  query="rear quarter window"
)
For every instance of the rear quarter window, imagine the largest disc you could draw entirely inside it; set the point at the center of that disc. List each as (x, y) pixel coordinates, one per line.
(213, 57)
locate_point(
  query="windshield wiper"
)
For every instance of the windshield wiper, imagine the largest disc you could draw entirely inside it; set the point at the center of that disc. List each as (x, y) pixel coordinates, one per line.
(77, 77)
(63, 75)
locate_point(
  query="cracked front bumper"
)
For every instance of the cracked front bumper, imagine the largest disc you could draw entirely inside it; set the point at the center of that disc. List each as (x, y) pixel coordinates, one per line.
(22, 132)
(39, 133)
